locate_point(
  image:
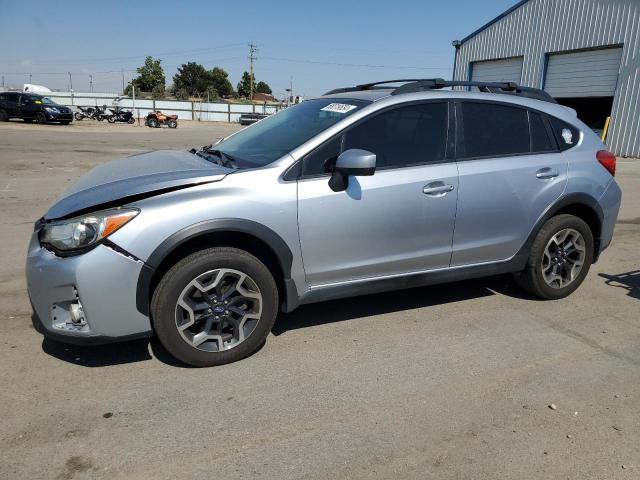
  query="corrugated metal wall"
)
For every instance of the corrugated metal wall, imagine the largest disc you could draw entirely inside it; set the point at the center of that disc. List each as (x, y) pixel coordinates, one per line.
(539, 27)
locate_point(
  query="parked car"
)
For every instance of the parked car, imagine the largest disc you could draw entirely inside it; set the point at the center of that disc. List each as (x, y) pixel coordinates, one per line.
(365, 189)
(33, 108)
(250, 118)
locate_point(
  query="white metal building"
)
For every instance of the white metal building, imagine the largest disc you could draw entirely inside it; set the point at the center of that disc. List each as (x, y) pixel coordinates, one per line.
(585, 53)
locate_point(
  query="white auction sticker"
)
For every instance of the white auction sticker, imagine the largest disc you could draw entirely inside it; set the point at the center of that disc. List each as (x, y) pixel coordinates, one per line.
(338, 107)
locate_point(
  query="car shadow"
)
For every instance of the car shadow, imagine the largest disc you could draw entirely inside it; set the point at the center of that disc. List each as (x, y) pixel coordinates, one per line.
(306, 316)
(629, 281)
(396, 301)
(110, 354)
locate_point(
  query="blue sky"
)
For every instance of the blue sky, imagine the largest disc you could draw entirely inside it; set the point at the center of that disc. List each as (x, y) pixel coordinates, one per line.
(321, 44)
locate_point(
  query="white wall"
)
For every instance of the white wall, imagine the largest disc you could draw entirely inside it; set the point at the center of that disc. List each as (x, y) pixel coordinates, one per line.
(211, 112)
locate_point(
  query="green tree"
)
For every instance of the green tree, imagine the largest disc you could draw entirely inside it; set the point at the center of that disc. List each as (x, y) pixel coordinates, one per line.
(244, 87)
(220, 82)
(150, 75)
(181, 93)
(158, 91)
(262, 87)
(191, 77)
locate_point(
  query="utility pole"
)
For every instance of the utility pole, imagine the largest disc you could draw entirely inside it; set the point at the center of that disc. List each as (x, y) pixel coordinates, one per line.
(2, 81)
(70, 82)
(253, 49)
(29, 78)
(91, 83)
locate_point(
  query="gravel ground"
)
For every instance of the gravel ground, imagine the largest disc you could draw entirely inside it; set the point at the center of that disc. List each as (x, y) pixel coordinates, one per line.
(448, 382)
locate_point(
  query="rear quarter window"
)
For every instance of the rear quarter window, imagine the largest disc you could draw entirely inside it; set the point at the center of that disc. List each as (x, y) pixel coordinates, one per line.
(566, 134)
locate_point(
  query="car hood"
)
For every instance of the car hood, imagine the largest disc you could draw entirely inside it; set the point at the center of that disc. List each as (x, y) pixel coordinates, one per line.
(143, 174)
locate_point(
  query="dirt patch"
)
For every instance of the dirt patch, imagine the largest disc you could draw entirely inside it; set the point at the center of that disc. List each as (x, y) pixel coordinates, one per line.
(75, 464)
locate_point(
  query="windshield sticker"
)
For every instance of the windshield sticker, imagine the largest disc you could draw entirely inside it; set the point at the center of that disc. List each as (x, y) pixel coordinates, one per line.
(567, 135)
(338, 108)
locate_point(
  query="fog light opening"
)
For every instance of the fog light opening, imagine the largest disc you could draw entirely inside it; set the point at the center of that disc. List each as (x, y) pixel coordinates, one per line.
(76, 314)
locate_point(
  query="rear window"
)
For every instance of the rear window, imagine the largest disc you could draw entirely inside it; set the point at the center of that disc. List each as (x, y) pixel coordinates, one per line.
(491, 130)
(566, 135)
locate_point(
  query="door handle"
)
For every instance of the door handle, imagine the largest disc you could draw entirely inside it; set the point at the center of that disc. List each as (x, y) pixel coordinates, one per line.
(547, 173)
(437, 189)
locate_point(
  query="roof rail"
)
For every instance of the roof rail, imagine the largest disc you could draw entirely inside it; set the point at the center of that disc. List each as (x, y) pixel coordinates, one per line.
(421, 85)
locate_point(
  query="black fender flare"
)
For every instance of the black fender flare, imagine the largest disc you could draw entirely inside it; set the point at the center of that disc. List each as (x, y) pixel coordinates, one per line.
(181, 237)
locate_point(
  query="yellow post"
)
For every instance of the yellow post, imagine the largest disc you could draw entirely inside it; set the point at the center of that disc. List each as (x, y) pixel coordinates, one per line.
(606, 128)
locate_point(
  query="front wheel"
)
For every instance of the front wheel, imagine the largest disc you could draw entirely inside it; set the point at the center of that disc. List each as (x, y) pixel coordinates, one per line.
(152, 122)
(172, 124)
(40, 118)
(215, 306)
(78, 116)
(111, 119)
(131, 121)
(559, 259)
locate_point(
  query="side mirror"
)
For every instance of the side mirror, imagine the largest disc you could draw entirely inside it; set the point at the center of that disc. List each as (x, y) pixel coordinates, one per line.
(354, 162)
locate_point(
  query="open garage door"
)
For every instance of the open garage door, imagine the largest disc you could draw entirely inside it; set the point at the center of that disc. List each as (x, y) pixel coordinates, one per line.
(504, 70)
(585, 81)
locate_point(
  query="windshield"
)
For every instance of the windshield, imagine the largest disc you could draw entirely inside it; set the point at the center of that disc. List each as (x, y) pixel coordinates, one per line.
(273, 137)
(43, 100)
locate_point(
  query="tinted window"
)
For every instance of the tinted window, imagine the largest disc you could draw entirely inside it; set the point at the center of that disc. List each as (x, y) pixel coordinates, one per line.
(492, 130)
(567, 135)
(320, 160)
(411, 135)
(540, 141)
(11, 97)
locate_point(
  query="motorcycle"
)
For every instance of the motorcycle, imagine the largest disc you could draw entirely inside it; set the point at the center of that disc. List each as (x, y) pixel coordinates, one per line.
(120, 115)
(157, 118)
(84, 113)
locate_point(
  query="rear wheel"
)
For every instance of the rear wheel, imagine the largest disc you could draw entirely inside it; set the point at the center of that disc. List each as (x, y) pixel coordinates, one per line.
(173, 124)
(131, 121)
(78, 116)
(111, 119)
(3, 116)
(153, 123)
(214, 307)
(560, 258)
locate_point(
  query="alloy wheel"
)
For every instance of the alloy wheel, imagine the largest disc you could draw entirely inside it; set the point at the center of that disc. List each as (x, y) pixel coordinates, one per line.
(218, 310)
(563, 258)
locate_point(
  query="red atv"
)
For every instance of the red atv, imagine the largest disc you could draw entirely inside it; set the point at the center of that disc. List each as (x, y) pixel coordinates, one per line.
(157, 118)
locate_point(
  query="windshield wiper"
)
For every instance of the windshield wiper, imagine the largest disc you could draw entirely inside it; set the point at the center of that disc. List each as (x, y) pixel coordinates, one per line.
(207, 152)
(225, 159)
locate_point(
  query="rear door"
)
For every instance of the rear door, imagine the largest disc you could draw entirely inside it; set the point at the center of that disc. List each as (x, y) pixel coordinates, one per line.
(29, 106)
(11, 104)
(510, 171)
(400, 219)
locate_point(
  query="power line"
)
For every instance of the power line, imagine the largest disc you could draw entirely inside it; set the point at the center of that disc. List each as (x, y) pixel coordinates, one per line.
(362, 65)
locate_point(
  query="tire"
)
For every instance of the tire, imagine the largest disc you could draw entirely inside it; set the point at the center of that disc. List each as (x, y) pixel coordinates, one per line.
(65, 123)
(217, 268)
(3, 116)
(131, 121)
(28, 120)
(172, 124)
(78, 116)
(111, 119)
(153, 123)
(535, 277)
(40, 118)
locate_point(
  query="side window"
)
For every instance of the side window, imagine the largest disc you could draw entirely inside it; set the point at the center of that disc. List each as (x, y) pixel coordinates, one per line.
(2, 97)
(319, 160)
(491, 130)
(567, 135)
(540, 140)
(410, 135)
(12, 97)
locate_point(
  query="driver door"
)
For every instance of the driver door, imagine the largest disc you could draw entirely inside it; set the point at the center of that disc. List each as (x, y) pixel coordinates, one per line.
(397, 221)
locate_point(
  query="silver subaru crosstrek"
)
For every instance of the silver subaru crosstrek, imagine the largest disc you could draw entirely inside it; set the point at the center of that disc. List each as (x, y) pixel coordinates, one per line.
(377, 187)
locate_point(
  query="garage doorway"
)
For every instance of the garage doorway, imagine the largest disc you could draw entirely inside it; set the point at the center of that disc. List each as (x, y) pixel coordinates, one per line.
(585, 81)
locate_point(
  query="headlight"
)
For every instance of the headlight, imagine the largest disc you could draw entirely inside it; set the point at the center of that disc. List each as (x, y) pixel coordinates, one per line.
(51, 109)
(85, 231)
